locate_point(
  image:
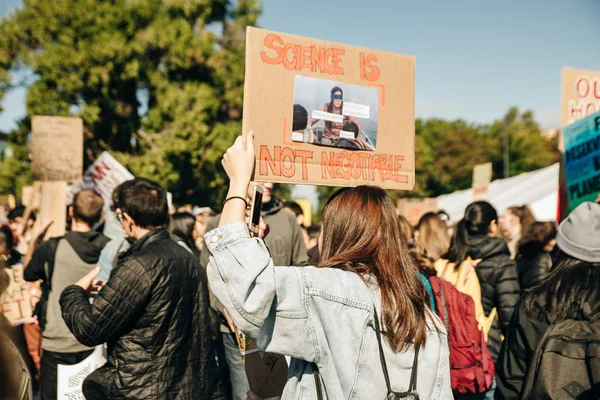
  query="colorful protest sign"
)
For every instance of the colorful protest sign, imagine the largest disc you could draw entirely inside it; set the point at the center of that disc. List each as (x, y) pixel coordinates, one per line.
(414, 209)
(104, 175)
(482, 176)
(582, 160)
(580, 94)
(70, 377)
(56, 148)
(329, 114)
(16, 301)
(306, 206)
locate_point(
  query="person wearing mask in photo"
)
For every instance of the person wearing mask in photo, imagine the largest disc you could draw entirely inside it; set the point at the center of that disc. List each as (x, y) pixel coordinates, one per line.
(296, 210)
(335, 106)
(475, 242)
(300, 125)
(181, 225)
(365, 290)
(534, 257)
(432, 234)
(513, 224)
(153, 311)
(555, 317)
(286, 245)
(58, 262)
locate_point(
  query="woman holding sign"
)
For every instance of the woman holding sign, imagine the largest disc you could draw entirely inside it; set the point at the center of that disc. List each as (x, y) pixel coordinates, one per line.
(335, 106)
(357, 325)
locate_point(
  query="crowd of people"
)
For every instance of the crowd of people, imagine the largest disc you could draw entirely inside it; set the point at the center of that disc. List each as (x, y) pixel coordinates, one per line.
(364, 305)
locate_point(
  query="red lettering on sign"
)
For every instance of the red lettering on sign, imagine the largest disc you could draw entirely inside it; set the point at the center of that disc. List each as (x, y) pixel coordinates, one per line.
(283, 162)
(368, 71)
(582, 86)
(297, 57)
(352, 165)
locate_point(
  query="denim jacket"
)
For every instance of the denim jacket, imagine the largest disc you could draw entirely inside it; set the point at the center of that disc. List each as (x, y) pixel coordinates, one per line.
(318, 316)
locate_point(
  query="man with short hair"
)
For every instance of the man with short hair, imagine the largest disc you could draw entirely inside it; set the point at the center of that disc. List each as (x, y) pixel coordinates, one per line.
(152, 312)
(59, 262)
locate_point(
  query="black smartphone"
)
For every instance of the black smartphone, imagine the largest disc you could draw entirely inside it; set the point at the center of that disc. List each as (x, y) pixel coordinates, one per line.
(255, 209)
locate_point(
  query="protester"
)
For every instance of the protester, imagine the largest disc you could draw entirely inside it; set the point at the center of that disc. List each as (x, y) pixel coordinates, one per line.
(327, 318)
(476, 238)
(313, 231)
(58, 262)
(16, 380)
(21, 222)
(286, 245)
(515, 222)
(406, 229)
(432, 234)
(203, 216)
(551, 346)
(534, 258)
(296, 210)
(152, 312)
(182, 226)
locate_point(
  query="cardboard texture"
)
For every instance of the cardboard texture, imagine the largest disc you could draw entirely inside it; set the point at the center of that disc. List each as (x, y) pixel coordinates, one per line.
(53, 208)
(414, 209)
(267, 372)
(8, 199)
(15, 302)
(31, 195)
(582, 160)
(482, 177)
(580, 95)
(367, 137)
(57, 148)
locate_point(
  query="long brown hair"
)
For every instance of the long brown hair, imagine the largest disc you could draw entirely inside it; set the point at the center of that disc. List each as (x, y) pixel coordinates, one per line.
(536, 238)
(361, 234)
(433, 235)
(526, 217)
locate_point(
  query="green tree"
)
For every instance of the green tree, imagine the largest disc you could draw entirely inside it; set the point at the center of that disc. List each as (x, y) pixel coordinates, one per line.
(158, 83)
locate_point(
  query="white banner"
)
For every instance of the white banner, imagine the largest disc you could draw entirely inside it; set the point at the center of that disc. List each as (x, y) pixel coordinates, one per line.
(70, 377)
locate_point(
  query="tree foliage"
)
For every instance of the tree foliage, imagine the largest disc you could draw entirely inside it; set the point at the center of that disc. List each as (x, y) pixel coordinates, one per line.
(159, 83)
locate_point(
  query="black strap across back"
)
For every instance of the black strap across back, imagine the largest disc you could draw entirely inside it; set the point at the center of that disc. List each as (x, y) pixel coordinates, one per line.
(411, 394)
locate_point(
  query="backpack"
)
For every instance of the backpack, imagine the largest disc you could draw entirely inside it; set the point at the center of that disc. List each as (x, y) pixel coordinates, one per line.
(471, 365)
(566, 364)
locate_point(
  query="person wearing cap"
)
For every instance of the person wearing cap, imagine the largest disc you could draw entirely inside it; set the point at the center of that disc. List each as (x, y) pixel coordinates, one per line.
(569, 292)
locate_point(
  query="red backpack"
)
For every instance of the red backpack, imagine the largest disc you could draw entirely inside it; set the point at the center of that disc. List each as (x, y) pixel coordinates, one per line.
(471, 366)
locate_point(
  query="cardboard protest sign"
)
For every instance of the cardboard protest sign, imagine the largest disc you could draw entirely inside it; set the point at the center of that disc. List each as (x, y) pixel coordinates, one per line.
(580, 94)
(70, 377)
(8, 199)
(582, 160)
(482, 176)
(329, 114)
(414, 209)
(53, 208)
(57, 148)
(266, 372)
(16, 301)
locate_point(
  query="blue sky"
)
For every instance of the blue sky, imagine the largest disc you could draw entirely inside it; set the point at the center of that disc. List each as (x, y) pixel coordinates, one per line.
(475, 58)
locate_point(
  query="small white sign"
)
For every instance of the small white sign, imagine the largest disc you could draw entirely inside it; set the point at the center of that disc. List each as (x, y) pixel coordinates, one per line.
(70, 377)
(357, 110)
(297, 136)
(318, 114)
(346, 135)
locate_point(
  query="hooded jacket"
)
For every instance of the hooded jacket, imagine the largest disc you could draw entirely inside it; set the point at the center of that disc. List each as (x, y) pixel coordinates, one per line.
(153, 315)
(499, 284)
(533, 264)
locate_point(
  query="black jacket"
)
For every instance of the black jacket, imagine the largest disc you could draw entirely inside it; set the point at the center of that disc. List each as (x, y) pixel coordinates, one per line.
(153, 314)
(499, 284)
(532, 269)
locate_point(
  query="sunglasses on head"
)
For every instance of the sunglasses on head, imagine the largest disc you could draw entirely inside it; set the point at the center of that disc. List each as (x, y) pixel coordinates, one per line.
(337, 97)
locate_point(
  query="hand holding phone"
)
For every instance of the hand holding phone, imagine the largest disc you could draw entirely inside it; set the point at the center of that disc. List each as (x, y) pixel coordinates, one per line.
(255, 210)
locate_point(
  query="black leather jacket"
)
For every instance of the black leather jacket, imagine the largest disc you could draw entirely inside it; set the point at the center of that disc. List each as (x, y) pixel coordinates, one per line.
(153, 314)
